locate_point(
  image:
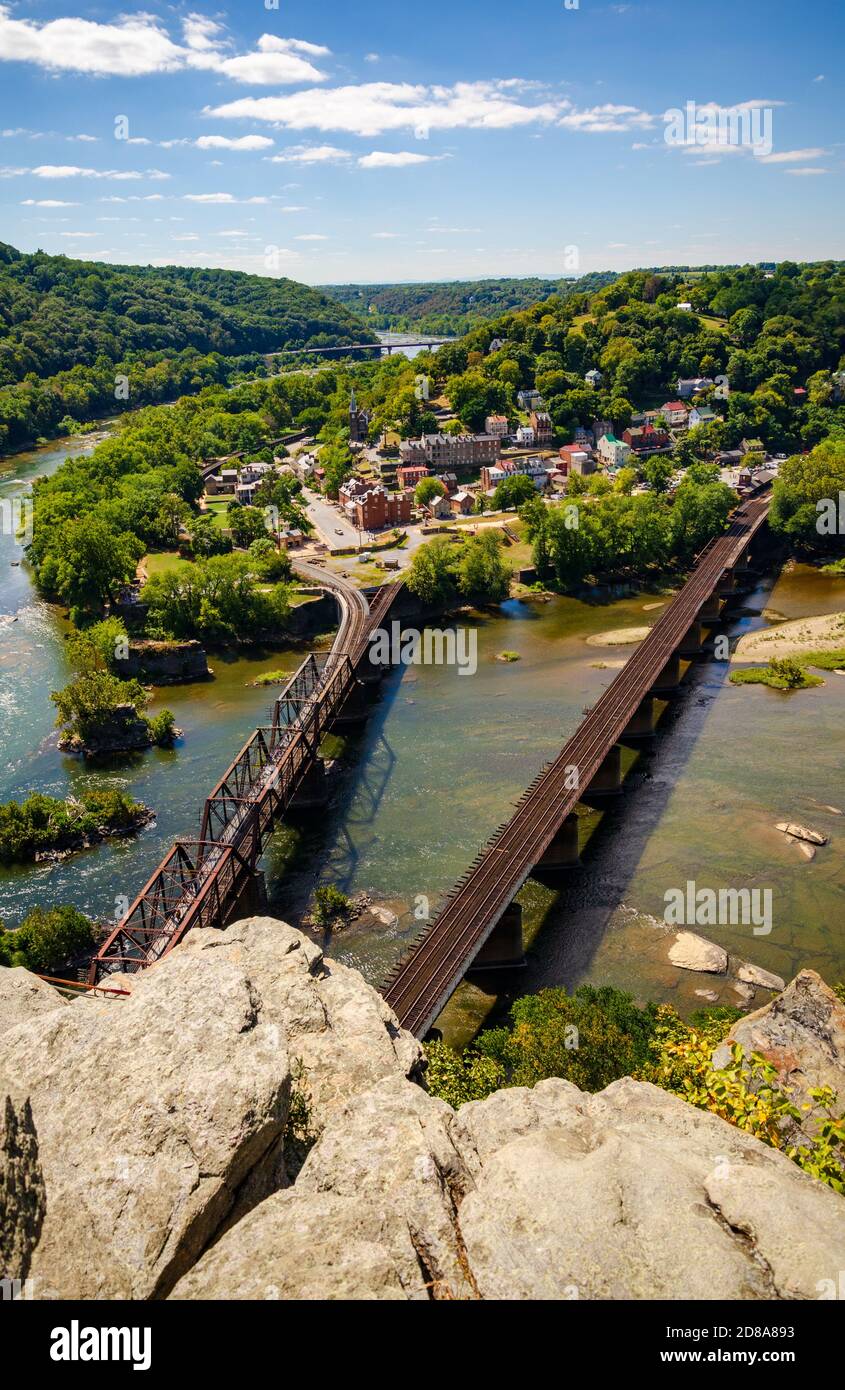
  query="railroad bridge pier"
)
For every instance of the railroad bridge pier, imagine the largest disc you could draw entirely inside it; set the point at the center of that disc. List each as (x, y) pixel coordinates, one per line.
(480, 924)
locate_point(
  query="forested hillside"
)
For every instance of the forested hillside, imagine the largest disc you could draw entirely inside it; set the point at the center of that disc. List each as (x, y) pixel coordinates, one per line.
(453, 307)
(776, 336)
(67, 326)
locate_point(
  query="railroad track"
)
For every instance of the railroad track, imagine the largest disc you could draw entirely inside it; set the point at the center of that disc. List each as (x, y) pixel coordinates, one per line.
(437, 960)
(198, 883)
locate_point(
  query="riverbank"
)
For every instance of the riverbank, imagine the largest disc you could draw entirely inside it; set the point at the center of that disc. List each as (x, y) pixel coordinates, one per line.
(802, 636)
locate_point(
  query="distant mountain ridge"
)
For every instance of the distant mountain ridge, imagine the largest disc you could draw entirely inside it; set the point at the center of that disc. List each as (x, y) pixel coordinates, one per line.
(453, 307)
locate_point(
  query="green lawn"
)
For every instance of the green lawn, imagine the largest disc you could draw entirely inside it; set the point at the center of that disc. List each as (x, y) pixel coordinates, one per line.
(159, 562)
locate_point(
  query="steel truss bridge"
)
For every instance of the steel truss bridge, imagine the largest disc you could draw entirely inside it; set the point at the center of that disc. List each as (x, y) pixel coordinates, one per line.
(201, 883)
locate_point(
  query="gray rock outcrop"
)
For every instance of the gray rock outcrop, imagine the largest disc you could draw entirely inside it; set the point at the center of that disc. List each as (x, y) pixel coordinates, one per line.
(802, 1032)
(248, 1123)
(162, 1116)
(547, 1193)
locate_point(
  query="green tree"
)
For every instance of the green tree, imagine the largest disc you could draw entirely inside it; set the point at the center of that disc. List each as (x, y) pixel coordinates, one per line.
(512, 492)
(47, 939)
(483, 576)
(430, 573)
(427, 489)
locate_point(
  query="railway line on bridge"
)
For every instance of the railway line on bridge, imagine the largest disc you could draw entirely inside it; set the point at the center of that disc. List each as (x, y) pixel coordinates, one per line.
(424, 980)
(203, 882)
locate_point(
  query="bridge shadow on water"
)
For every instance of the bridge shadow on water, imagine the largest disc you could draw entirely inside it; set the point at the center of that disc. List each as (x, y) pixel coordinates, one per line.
(326, 842)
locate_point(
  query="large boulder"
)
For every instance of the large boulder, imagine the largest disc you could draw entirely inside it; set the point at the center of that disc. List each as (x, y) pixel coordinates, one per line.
(160, 1118)
(23, 996)
(533, 1194)
(802, 1033)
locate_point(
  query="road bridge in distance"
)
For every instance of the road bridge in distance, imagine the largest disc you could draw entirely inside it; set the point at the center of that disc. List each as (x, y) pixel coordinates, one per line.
(480, 923)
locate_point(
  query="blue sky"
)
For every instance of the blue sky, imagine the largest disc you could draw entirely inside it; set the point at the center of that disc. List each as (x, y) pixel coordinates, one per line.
(385, 141)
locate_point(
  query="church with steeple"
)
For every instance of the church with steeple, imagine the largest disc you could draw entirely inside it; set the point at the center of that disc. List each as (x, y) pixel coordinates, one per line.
(359, 421)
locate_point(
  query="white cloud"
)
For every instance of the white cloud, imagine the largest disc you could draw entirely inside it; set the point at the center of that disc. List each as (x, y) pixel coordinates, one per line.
(47, 203)
(127, 48)
(76, 171)
(311, 236)
(384, 236)
(310, 154)
(820, 77)
(804, 173)
(277, 61)
(372, 57)
(400, 159)
(221, 198)
(236, 142)
(792, 156)
(78, 234)
(136, 45)
(374, 107)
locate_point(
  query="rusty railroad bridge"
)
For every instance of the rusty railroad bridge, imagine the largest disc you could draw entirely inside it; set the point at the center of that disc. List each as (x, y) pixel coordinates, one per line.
(210, 881)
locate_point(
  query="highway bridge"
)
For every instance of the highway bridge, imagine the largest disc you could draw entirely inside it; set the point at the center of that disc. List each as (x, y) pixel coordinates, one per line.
(543, 833)
(210, 881)
(386, 348)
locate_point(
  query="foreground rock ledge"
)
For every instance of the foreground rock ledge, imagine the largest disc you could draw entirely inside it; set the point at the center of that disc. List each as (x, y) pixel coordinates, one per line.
(147, 1151)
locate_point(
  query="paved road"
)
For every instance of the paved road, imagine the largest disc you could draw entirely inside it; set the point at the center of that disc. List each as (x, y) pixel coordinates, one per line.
(327, 521)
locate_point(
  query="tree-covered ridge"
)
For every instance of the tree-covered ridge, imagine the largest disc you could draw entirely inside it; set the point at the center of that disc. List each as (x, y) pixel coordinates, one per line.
(57, 313)
(776, 335)
(452, 307)
(70, 329)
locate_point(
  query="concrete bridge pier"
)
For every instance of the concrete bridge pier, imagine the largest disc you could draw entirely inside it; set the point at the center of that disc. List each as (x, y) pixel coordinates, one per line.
(313, 791)
(690, 644)
(667, 683)
(641, 724)
(354, 711)
(504, 948)
(251, 900)
(710, 613)
(607, 781)
(563, 853)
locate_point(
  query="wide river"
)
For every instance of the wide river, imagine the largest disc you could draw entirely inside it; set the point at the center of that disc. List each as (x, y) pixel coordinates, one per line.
(438, 767)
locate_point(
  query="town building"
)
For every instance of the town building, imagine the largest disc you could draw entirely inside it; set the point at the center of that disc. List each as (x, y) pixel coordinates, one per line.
(524, 436)
(449, 481)
(451, 451)
(222, 484)
(376, 508)
(593, 378)
(583, 436)
(693, 386)
(675, 414)
(576, 460)
(438, 508)
(645, 438)
(701, 415)
(530, 399)
(359, 422)
(409, 474)
(533, 468)
(541, 423)
(600, 427)
(613, 453)
(462, 503)
(496, 425)
(495, 345)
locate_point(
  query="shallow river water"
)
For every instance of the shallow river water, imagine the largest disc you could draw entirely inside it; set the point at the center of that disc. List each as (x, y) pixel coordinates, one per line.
(438, 767)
